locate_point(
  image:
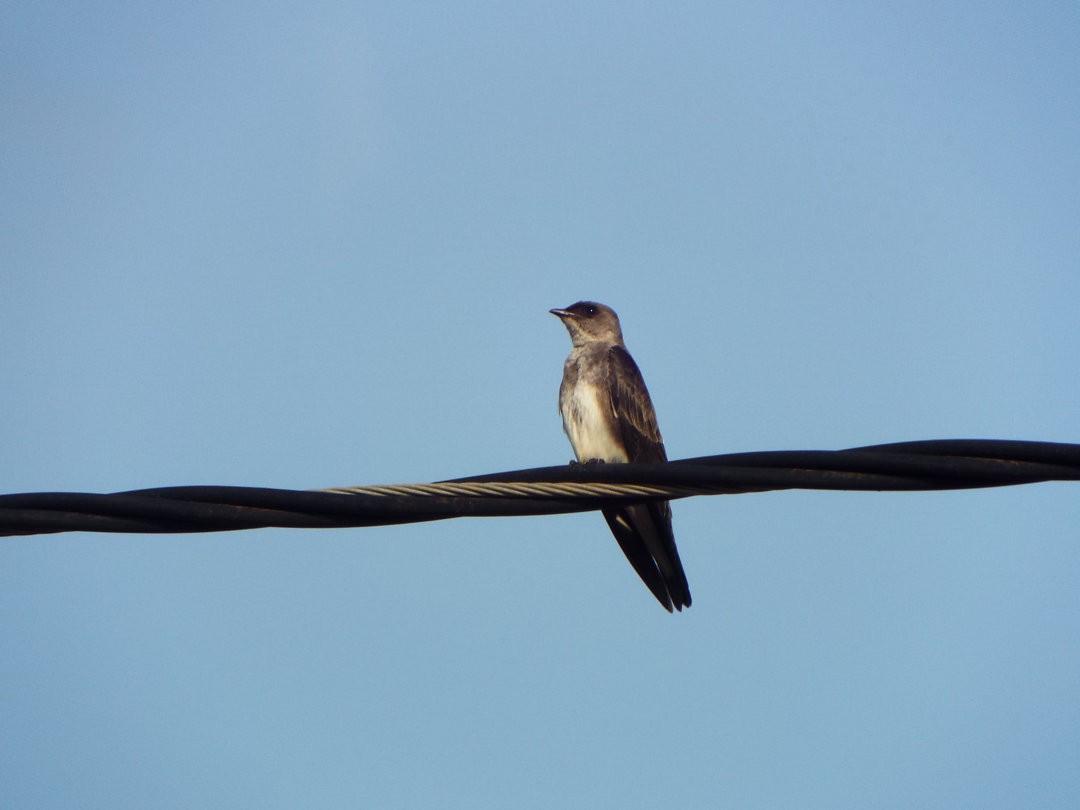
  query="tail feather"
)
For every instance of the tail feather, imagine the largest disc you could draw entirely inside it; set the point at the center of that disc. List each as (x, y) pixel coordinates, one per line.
(644, 534)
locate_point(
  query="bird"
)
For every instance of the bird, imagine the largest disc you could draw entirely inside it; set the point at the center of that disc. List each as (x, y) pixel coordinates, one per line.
(608, 416)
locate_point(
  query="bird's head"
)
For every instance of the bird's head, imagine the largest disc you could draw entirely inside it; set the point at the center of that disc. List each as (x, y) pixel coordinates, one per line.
(588, 322)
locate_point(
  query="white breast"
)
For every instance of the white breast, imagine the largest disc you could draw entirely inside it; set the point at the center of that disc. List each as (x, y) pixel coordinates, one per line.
(587, 420)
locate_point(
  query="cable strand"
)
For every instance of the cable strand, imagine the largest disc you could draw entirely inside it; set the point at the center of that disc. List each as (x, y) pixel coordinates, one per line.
(902, 466)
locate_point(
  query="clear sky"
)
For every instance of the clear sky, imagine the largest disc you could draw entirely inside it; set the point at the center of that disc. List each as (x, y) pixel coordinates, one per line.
(314, 244)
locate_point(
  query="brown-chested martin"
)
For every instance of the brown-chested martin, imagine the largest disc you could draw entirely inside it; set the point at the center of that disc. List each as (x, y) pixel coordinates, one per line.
(607, 413)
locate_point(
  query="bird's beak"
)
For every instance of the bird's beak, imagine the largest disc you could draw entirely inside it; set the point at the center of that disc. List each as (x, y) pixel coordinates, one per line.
(560, 313)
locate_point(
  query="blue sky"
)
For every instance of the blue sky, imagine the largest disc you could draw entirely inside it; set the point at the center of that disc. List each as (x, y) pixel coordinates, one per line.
(309, 245)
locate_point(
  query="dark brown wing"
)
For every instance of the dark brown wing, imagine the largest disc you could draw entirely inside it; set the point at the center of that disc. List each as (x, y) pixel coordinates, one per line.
(644, 530)
(633, 408)
(630, 525)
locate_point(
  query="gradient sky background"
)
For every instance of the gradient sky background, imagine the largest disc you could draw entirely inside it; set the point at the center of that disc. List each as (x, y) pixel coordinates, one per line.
(314, 244)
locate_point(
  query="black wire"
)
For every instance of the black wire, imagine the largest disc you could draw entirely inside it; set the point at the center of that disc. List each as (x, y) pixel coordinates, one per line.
(904, 466)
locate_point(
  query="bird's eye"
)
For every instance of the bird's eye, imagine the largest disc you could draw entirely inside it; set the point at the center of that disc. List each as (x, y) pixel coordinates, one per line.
(590, 310)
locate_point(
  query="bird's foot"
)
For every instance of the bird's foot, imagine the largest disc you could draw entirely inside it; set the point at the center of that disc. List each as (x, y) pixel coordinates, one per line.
(592, 462)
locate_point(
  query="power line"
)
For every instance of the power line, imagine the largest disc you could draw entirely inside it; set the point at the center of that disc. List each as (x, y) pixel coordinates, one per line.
(906, 466)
